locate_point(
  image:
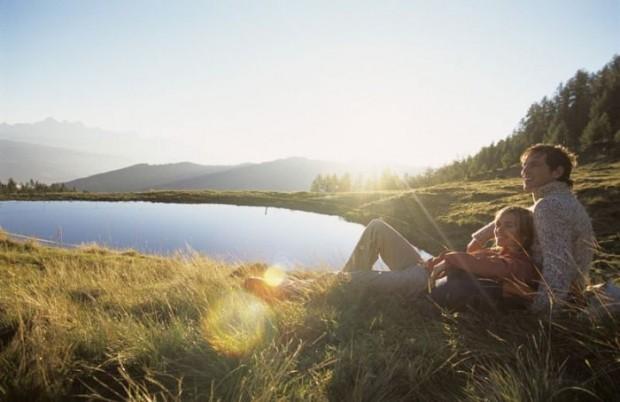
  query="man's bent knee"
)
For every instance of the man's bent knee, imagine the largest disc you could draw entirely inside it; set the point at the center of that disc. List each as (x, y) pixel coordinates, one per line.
(377, 223)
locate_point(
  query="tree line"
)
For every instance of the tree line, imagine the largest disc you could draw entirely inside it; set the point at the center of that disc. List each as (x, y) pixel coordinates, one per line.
(583, 115)
(388, 180)
(31, 187)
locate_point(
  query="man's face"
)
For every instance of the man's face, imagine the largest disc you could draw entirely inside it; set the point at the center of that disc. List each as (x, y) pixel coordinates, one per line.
(536, 173)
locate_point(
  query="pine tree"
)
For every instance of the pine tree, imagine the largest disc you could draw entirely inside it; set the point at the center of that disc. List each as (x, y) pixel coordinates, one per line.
(598, 132)
(557, 134)
(579, 102)
(11, 186)
(344, 184)
(315, 187)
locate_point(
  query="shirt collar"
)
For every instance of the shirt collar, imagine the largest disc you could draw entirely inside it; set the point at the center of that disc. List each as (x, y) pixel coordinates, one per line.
(554, 187)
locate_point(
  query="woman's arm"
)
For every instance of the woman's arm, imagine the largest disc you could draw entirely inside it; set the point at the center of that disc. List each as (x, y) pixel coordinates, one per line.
(488, 264)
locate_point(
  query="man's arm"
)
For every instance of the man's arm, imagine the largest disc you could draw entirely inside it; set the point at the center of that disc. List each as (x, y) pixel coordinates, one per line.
(480, 237)
(559, 268)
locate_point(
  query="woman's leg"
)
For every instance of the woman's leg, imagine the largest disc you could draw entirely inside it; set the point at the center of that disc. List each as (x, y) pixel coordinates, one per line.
(380, 239)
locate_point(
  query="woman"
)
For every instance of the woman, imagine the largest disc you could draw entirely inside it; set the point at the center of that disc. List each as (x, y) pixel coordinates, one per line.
(500, 276)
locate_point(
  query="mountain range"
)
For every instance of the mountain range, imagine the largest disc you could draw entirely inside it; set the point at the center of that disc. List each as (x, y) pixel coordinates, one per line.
(24, 161)
(34, 151)
(76, 136)
(290, 174)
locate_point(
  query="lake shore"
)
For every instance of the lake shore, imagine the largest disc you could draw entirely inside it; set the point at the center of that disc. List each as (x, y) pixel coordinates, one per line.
(331, 204)
(433, 217)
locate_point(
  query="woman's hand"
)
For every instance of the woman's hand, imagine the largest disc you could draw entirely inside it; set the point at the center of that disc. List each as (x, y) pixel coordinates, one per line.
(439, 271)
(474, 245)
(430, 264)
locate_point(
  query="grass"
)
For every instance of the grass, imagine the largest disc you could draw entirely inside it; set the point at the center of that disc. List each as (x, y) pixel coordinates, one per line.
(99, 324)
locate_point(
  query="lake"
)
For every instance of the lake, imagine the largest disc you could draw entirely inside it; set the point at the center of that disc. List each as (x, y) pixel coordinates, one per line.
(232, 233)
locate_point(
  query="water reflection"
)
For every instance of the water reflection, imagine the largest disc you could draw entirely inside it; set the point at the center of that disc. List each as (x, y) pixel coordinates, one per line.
(273, 235)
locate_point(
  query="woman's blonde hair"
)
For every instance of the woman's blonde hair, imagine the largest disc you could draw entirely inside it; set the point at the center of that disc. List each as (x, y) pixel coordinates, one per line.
(525, 222)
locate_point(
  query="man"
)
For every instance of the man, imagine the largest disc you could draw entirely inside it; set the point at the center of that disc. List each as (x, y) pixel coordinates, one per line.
(564, 240)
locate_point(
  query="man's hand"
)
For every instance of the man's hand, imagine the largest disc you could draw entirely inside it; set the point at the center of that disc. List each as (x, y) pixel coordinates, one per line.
(474, 245)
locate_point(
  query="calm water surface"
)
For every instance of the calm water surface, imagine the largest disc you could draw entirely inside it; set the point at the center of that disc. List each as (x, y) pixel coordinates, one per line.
(234, 233)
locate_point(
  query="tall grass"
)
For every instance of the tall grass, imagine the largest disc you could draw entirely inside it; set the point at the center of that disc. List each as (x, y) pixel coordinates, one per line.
(97, 324)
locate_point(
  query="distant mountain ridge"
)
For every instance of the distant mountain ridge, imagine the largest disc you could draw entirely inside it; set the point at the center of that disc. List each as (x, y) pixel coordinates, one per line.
(79, 137)
(72, 135)
(24, 161)
(30, 151)
(290, 174)
(142, 177)
(51, 151)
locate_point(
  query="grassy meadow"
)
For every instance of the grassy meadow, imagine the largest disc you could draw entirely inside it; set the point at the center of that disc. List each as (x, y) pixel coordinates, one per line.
(98, 324)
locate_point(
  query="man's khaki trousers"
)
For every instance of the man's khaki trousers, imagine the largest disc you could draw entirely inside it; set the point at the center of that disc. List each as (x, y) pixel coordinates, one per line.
(402, 258)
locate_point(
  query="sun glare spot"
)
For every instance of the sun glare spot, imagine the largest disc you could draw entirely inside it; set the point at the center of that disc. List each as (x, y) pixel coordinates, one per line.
(237, 323)
(274, 276)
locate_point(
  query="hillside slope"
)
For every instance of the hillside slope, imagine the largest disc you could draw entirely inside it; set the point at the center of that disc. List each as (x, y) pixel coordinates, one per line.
(291, 174)
(445, 215)
(142, 177)
(48, 164)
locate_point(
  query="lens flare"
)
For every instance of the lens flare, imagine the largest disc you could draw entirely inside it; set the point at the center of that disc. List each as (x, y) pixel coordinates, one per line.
(274, 276)
(238, 323)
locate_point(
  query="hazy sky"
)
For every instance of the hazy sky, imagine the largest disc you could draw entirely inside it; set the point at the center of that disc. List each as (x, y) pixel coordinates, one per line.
(411, 82)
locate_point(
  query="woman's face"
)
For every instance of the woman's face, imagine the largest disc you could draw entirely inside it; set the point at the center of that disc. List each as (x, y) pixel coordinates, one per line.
(507, 231)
